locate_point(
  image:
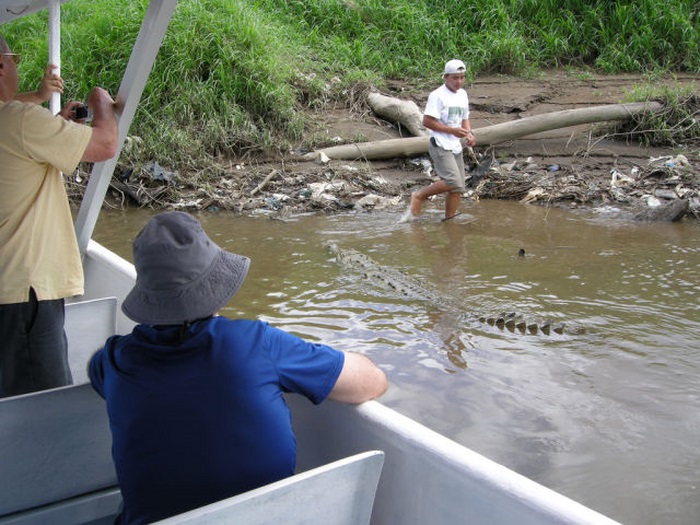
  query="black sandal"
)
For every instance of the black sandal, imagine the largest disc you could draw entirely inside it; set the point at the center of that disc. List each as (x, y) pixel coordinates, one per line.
(448, 218)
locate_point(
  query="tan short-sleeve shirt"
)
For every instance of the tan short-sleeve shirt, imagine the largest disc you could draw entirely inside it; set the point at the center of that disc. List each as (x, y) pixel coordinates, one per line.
(38, 247)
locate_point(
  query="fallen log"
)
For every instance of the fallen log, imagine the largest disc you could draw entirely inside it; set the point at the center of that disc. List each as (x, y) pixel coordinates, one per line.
(403, 112)
(415, 146)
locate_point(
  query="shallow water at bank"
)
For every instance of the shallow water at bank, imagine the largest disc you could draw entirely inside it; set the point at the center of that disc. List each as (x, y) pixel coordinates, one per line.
(607, 413)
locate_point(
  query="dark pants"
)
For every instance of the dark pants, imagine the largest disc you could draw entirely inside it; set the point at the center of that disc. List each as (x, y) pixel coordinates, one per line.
(33, 346)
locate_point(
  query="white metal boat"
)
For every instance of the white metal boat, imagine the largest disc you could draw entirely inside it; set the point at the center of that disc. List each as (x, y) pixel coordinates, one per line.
(55, 462)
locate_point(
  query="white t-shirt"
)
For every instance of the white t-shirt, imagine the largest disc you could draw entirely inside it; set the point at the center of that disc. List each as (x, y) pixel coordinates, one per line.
(450, 109)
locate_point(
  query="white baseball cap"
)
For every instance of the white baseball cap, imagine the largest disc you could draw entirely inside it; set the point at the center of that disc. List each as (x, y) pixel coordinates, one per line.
(454, 66)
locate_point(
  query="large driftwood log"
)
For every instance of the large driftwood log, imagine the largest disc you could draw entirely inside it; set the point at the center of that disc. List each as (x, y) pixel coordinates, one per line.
(403, 112)
(416, 146)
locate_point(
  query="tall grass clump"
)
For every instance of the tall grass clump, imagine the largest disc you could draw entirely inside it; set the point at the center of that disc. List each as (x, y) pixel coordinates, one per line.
(235, 75)
(678, 122)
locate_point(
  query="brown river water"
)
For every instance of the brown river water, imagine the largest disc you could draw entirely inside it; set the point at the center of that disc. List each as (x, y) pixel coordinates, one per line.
(607, 413)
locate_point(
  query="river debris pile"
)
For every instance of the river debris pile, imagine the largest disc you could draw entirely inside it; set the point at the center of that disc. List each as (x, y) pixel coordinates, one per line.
(665, 188)
(662, 189)
(279, 190)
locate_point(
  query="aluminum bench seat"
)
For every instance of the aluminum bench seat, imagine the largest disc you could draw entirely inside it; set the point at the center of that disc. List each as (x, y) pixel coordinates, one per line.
(55, 459)
(88, 325)
(341, 493)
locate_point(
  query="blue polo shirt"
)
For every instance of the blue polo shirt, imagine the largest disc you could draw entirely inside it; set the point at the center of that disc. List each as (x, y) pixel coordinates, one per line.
(200, 417)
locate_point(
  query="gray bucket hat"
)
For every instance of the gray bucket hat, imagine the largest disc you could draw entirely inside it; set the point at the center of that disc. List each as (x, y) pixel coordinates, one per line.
(181, 274)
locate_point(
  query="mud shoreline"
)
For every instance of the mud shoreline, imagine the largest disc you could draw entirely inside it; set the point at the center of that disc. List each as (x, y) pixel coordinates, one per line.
(581, 166)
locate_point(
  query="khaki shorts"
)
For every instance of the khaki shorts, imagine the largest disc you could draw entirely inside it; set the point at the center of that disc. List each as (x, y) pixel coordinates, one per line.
(448, 166)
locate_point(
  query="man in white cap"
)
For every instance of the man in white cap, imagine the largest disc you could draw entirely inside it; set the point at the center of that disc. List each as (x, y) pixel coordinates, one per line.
(195, 401)
(447, 117)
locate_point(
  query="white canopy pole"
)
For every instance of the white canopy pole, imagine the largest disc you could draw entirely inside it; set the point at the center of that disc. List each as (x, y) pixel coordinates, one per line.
(143, 55)
(55, 49)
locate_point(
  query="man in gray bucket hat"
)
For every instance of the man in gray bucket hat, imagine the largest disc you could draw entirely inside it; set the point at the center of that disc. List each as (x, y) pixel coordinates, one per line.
(195, 400)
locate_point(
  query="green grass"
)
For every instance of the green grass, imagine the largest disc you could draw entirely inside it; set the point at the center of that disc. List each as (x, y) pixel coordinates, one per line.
(675, 125)
(237, 77)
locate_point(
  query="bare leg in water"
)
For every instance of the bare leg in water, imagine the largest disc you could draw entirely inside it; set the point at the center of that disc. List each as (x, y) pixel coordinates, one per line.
(451, 199)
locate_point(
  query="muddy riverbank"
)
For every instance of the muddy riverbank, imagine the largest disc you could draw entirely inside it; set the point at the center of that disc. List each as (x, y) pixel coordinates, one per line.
(581, 166)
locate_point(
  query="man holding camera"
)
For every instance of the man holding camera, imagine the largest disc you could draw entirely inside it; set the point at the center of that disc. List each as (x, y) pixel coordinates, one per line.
(39, 259)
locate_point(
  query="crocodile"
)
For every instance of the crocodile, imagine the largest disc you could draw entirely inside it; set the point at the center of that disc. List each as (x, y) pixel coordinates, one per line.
(405, 285)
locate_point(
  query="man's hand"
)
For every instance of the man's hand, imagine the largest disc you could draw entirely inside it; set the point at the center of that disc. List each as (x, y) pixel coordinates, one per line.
(50, 84)
(103, 144)
(470, 139)
(68, 111)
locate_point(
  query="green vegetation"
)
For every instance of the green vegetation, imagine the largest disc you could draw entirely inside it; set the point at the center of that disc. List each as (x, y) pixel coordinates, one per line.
(677, 123)
(237, 76)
